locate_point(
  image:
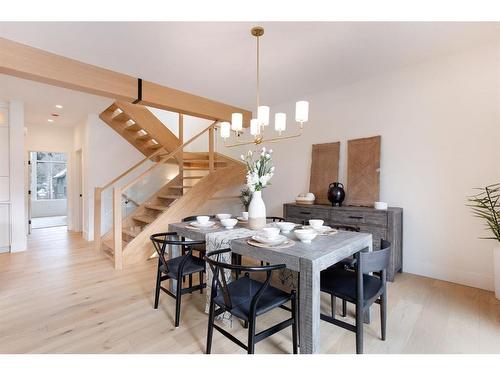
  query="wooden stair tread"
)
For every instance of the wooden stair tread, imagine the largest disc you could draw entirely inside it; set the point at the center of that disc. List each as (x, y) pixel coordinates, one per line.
(121, 117)
(192, 177)
(133, 128)
(196, 168)
(201, 161)
(144, 219)
(130, 232)
(154, 146)
(180, 187)
(143, 137)
(169, 196)
(156, 207)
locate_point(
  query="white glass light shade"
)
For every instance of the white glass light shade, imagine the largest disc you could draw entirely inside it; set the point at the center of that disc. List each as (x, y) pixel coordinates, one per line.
(280, 122)
(254, 127)
(263, 115)
(302, 111)
(237, 122)
(225, 129)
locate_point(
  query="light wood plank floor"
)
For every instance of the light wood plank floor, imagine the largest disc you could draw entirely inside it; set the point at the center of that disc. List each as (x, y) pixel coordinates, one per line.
(60, 297)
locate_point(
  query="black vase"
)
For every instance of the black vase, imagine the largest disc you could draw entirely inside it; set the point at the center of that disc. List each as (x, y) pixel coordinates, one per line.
(336, 193)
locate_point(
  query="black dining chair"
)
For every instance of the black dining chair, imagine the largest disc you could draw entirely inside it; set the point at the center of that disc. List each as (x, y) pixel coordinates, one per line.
(176, 268)
(275, 219)
(247, 299)
(360, 288)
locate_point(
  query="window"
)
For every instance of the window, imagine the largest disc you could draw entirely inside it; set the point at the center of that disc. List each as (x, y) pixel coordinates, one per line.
(49, 171)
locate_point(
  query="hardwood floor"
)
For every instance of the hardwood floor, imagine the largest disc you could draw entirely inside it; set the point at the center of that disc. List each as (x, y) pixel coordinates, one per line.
(62, 297)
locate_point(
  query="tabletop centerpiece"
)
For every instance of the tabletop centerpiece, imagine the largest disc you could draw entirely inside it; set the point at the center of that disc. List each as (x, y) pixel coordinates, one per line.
(259, 173)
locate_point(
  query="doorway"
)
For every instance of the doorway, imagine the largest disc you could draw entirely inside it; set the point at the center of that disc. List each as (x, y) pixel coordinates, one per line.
(48, 192)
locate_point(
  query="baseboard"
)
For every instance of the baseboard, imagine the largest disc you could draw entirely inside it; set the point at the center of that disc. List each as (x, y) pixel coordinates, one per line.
(463, 277)
(17, 247)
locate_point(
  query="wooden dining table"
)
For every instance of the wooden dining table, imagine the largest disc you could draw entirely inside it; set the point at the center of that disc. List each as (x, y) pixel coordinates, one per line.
(308, 259)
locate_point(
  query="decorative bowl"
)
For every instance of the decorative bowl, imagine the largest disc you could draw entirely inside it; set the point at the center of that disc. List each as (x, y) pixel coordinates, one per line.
(305, 235)
(228, 223)
(285, 226)
(269, 232)
(223, 216)
(316, 223)
(202, 219)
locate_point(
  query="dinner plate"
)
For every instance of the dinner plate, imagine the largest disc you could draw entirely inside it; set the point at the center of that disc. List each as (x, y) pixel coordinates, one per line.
(325, 229)
(275, 241)
(208, 224)
(242, 219)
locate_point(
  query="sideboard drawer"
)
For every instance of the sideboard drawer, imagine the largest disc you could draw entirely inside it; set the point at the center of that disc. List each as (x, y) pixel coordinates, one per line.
(355, 217)
(306, 213)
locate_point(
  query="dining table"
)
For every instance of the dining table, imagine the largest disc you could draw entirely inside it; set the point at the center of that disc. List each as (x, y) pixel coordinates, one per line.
(307, 259)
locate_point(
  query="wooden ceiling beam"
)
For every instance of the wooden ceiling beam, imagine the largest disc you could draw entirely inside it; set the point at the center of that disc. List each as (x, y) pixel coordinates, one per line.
(26, 62)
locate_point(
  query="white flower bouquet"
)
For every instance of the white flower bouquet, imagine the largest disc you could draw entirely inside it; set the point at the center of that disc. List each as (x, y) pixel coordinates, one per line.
(259, 171)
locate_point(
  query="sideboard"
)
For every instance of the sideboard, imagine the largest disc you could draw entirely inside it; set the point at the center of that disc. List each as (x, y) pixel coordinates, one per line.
(382, 224)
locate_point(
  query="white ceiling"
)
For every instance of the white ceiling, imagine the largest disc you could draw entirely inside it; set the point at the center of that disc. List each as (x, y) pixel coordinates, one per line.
(217, 60)
(40, 101)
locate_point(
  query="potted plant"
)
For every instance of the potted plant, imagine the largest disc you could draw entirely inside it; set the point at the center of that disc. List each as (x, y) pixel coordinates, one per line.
(259, 173)
(486, 205)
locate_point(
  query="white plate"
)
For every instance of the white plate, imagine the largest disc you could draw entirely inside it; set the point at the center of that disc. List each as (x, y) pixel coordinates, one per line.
(322, 229)
(275, 241)
(241, 219)
(208, 224)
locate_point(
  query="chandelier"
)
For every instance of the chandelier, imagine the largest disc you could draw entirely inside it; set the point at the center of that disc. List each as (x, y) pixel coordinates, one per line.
(259, 125)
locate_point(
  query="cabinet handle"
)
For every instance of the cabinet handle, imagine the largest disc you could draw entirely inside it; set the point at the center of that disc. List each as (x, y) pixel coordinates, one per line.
(304, 213)
(356, 217)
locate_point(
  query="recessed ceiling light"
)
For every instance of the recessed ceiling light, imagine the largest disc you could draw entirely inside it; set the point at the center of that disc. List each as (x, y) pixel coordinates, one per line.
(59, 106)
(50, 120)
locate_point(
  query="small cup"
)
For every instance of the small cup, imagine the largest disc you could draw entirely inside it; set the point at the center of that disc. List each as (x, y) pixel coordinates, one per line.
(202, 219)
(244, 215)
(270, 233)
(316, 223)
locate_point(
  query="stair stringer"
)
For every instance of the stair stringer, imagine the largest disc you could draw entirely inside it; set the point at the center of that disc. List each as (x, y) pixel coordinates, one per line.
(141, 249)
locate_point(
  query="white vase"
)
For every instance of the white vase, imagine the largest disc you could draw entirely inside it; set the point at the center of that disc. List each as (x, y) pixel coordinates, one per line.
(496, 270)
(257, 211)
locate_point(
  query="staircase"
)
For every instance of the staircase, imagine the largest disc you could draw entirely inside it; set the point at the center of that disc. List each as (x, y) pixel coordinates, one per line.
(200, 175)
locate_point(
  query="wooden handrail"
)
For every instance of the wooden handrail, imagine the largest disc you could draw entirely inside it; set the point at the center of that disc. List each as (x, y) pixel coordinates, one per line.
(167, 157)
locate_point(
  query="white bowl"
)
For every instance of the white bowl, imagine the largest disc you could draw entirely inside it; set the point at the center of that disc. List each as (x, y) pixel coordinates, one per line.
(305, 235)
(316, 223)
(202, 219)
(223, 216)
(285, 226)
(270, 232)
(228, 223)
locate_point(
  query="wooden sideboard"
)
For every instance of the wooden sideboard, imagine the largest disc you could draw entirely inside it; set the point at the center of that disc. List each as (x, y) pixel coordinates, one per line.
(382, 224)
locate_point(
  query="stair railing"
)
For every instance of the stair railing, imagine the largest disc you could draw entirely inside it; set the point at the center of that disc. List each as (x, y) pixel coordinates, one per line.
(118, 191)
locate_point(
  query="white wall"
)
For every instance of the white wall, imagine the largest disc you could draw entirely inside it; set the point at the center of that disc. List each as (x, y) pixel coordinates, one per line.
(17, 185)
(439, 123)
(105, 156)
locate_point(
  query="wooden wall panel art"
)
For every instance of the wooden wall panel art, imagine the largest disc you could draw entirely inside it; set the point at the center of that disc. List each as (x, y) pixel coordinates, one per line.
(363, 171)
(324, 169)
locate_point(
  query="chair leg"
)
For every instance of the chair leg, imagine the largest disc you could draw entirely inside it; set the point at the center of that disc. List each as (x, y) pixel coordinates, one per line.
(210, 331)
(178, 297)
(157, 291)
(333, 303)
(383, 314)
(251, 335)
(190, 281)
(344, 308)
(359, 329)
(201, 281)
(294, 325)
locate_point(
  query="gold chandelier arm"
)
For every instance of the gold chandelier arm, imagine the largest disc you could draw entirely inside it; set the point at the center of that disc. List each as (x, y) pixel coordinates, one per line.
(261, 140)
